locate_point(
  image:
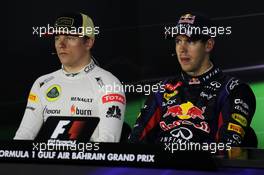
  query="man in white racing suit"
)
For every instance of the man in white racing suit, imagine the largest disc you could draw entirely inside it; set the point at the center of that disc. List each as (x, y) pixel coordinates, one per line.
(80, 88)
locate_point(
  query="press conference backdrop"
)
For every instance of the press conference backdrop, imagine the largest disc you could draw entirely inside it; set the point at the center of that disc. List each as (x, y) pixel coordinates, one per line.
(130, 44)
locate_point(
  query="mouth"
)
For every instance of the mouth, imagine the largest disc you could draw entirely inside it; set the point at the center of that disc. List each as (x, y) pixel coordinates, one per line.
(63, 53)
(185, 60)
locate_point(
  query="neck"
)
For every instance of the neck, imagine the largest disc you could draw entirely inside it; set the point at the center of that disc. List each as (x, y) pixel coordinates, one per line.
(76, 68)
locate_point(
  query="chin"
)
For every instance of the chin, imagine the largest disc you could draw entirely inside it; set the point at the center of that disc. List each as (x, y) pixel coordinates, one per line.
(64, 61)
(187, 68)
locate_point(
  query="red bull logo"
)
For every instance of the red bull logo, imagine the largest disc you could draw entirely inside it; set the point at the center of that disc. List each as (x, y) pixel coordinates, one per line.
(187, 18)
(204, 126)
(194, 81)
(184, 111)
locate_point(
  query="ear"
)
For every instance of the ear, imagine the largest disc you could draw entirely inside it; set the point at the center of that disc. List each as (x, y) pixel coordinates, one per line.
(209, 45)
(89, 43)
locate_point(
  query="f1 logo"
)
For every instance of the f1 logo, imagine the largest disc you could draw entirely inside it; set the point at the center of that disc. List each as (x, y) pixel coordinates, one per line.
(60, 128)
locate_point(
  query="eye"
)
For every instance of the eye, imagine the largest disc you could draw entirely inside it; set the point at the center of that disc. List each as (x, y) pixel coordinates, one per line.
(191, 41)
(56, 38)
(177, 41)
(71, 38)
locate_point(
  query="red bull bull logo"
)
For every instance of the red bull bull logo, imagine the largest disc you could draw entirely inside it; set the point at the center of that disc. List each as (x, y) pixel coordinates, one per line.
(184, 111)
(194, 81)
(187, 18)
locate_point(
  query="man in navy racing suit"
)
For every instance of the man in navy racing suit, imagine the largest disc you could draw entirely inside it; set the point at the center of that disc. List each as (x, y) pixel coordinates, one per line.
(202, 104)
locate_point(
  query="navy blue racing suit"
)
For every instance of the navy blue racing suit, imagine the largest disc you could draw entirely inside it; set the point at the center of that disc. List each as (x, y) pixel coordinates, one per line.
(213, 107)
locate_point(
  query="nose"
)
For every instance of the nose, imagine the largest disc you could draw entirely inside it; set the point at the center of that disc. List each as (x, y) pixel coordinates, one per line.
(182, 47)
(60, 42)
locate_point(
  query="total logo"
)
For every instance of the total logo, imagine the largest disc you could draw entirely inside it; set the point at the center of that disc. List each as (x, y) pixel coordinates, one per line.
(185, 111)
(113, 98)
(77, 111)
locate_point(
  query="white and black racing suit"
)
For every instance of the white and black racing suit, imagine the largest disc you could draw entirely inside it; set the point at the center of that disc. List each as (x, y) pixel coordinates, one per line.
(92, 91)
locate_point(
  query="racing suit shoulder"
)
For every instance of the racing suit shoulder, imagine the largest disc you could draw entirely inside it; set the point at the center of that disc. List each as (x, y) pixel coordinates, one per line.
(243, 92)
(32, 119)
(111, 105)
(106, 76)
(44, 79)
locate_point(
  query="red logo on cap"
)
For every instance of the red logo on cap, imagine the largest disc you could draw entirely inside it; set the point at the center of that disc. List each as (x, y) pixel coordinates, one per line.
(188, 18)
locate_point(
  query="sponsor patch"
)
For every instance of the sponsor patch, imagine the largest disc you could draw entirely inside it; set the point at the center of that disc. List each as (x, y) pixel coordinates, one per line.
(51, 111)
(207, 96)
(202, 125)
(113, 98)
(236, 128)
(82, 99)
(240, 108)
(114, 112)
(89, 67)
(182, 133)
(240, 119)
(167, 96)
(30, 108)
(172, 87)
(99, 81)
(233, 84)
(215, 84)
(53, 93)
(33, 97)
(45, 81)
(194, 81)
(77, 111)
(64, 21)
(241, 102)
(188, 18)
(185, 111)
(236, 140)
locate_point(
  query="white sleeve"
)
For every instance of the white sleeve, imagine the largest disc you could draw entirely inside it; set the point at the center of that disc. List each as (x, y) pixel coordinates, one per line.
(33, 118)
(112, 104)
